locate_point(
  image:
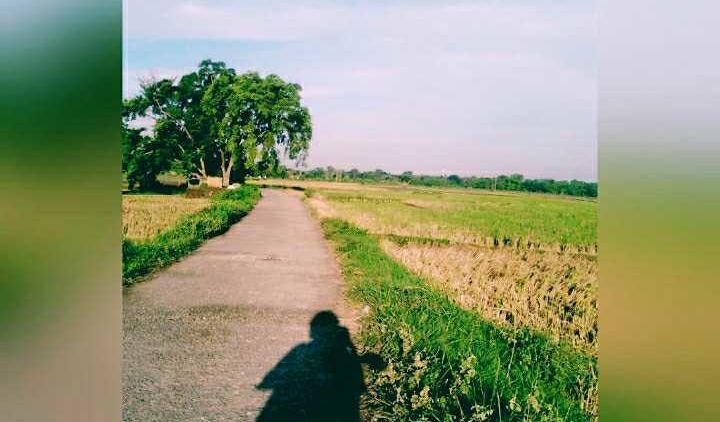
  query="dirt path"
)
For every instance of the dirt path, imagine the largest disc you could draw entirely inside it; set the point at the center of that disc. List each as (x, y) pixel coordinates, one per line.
(201, 335)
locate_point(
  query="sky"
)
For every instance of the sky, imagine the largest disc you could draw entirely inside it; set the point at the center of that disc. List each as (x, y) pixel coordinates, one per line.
(434, 87)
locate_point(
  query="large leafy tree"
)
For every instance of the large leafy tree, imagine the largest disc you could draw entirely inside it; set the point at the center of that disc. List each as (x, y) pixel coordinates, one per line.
(257, 120)
(175, 107)
(213, 121)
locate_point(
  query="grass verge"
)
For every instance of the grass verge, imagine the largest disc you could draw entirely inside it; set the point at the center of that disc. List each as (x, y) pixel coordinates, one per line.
(448, 364)
(140, 258)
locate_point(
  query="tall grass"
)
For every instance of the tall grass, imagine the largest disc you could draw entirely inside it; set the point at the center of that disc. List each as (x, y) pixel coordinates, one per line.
(553, 293)
(226, 208)
(449, 364)
(145, 216)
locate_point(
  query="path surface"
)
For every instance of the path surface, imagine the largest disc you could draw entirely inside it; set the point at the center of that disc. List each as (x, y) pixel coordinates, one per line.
(201, 335)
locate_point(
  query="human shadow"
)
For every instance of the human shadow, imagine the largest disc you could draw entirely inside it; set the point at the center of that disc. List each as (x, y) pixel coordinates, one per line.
(320, 380)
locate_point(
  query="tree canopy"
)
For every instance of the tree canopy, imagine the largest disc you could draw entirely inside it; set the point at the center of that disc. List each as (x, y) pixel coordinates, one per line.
(214, 122)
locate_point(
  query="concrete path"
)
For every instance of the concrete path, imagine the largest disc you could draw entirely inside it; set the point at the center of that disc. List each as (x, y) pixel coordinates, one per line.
(202, 334)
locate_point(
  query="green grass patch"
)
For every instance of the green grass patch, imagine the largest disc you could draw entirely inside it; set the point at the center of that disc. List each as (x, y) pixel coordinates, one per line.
(140, 258)
(542, 219)
(447, 364)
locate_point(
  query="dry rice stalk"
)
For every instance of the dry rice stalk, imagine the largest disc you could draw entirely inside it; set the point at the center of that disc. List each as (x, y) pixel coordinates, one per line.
(144, 216)
(546, 291)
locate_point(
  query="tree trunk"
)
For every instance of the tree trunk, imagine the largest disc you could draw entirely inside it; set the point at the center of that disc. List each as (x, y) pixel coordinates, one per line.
(226, 174)
(203, 173)
(226, 169)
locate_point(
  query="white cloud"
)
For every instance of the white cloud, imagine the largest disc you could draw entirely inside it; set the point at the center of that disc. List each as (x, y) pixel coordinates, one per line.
(219, 20)
(401, 23)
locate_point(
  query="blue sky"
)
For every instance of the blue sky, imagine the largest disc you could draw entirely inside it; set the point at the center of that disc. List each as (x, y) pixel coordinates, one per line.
(471, 88)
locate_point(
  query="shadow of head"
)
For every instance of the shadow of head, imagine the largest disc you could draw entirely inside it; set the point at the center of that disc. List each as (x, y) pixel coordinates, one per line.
(324, 323)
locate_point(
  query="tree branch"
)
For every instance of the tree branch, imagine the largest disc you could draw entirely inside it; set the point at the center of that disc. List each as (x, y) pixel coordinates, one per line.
(177, 121)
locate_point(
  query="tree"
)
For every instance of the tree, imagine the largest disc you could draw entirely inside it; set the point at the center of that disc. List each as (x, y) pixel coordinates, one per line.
(185, 110)
(143, 158)
(213, 121)
(262, 119)
(215, 104)
(406, 176)
(179, 117)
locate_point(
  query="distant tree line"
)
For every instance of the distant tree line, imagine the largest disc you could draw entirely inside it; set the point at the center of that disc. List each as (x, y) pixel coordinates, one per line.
(513, 182)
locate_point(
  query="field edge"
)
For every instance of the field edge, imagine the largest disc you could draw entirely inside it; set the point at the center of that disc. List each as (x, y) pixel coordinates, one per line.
(443, 360)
